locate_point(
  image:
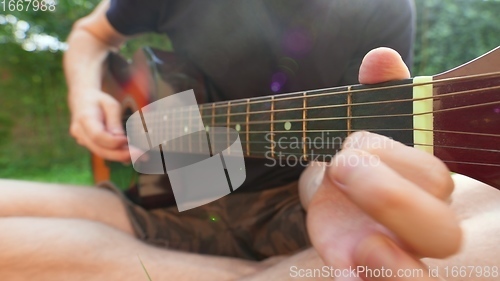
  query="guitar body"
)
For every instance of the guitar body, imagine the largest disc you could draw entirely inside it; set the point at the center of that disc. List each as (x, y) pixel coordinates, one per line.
(152, 75)
(119, 82)
(468, 140)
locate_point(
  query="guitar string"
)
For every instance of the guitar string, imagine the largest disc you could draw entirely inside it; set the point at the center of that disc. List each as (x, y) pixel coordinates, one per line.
(322, 155)
(172, 128)
(363, 116)
(444, 81)
(300, 95)
(449, 94)
(308, 144)
(452, 94)
(316, 143)
(153, 123)
(372, 129)
(391, 129)
(445, 161)
(364, 103)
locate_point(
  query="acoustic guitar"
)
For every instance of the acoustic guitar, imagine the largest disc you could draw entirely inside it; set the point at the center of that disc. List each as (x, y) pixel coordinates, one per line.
(454, 115)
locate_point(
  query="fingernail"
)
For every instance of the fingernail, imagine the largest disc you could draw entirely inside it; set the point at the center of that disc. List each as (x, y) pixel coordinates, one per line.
(344, 164)
(319, 177)
(355, 140)
(116, 131)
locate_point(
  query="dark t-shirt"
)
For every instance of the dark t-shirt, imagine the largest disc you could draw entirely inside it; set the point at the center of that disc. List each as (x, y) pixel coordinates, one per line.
(241, 45)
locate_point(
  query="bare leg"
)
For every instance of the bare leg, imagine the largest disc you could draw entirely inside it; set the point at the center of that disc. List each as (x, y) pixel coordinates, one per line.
(478, 207)
(30, 199)
(61, 232)
(71, 249)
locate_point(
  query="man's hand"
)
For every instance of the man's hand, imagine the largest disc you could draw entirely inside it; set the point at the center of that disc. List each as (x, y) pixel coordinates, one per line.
(96, 124)
(381, 204)
(95, 116)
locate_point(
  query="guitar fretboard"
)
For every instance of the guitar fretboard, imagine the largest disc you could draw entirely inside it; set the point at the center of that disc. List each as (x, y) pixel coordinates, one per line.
(305, 124)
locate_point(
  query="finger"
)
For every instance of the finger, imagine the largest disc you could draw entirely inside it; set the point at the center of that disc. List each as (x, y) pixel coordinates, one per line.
(382, 65)
(120, 154)
(309, 182)
(95, 133)
(378, 258)
(335, 225)
(112, 116)
(420, 220)
(75, 131)
(417, 166)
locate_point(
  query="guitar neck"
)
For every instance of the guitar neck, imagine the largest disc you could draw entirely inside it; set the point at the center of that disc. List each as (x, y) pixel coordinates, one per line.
(309, 124)
(454, 115)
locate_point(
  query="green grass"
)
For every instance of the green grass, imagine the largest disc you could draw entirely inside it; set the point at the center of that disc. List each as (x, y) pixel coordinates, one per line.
(144, 268)
(76, 172)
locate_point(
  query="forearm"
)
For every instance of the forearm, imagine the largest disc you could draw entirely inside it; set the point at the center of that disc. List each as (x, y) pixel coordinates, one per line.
(83, 60)
(91, 38)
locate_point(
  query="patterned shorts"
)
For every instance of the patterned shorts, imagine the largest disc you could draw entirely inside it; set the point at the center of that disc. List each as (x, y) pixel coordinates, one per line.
(249, 225)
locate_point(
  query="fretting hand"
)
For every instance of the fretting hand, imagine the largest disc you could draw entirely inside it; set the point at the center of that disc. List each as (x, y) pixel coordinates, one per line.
(381, 206)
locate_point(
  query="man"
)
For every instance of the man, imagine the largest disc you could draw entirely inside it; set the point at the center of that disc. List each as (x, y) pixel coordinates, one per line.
(241, 48)
(84, 234)
(71, 233)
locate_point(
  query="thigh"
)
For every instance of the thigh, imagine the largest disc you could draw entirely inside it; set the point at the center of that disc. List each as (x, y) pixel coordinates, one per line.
(73, 249)
(30, 199)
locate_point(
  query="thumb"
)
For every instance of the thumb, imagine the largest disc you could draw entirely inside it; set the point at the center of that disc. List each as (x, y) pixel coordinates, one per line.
(112, 116)
(382, 65)
(378, 258)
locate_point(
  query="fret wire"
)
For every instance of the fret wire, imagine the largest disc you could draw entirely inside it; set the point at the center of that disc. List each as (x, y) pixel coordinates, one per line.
(433, 82)
(304, 124)
(173, 126)
(349, 111)
(145, 129)
(246, 126)
(213, 116)
(228, 126)
(200, 107)
(211, 130)
(272, 125)
(181, 129)
(189, 130)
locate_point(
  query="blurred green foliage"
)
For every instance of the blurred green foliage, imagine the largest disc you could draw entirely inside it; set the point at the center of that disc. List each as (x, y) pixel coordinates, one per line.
(452, 32)
(34, 119)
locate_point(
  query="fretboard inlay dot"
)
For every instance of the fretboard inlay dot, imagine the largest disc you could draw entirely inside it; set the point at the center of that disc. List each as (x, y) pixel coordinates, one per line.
(288, 125)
